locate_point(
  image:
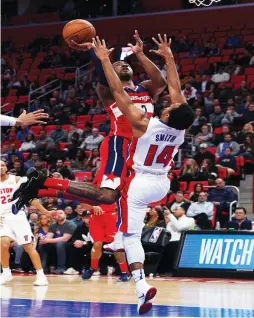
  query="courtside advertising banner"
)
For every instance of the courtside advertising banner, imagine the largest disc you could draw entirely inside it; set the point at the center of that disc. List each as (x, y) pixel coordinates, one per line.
(217, 250)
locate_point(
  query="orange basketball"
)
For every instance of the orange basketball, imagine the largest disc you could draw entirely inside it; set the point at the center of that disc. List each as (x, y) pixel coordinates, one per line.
(79, 30)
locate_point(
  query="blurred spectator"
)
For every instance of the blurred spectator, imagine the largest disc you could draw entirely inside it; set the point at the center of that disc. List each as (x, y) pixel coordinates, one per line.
(87, 130)
(242, 92)
(209, 100)
(207, 171)
(212, 50)
(232, 41)
(205, 84)
(93, 141)
(50, 203)
(59, 135)
(248, 116)
(227, 143)
(41, 228)
(197, 189)
(216, 117)
(189, 91)
(33, 219)
(223, 93)
(19, 169)
(78, 218)
(81, 161)
(177, 222)
(240, 220)
(221, 197)
(34, 156)
(179, 201)
(232, 68)
(64, 170)
(221, 76)
(69, 213)
(35, 106)
(28, 144)
(230, 115)
(155, 217)
(4, 152)
(218, 138)
(247, 149)
(73, 129)
(204, 137)
(174, 183)
(44, 142)
(196, 50)
(182, 45)
(23, 133)
(201, 211)
(227, 161)
(12, 140)
(189, 171)
(55, 241)
(55, 153)
(105, 126)
(94, 161)
(247, 130)
(79, 247)
(198, 121)
(41, 167)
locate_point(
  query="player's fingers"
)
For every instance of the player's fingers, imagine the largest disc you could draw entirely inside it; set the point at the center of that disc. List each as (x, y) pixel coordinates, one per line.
(165, 38)
(111, 50)
(98, 40)
(154, 51)
(160, 38)
(94, 42)
(130, 45)
(38, 111)
(169, 42)
(155, 41)
(104, 43)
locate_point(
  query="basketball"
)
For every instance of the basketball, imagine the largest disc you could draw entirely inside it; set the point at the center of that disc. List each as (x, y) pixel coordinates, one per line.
(79, 30)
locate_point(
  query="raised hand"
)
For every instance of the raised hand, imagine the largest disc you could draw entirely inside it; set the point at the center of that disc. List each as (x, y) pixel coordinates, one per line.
(36, 117)
(163, 46)
(138, 47)
(80, 47)
(100, 48)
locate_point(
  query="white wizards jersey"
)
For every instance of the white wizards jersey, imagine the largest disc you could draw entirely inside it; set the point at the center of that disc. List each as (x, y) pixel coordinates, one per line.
(6, 188)
(154, 152)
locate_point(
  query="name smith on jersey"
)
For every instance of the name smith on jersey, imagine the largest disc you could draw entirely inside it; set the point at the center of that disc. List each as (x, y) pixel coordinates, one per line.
(165, 137)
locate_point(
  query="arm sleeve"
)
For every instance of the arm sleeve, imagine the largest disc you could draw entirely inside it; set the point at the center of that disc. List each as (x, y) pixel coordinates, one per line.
(98, 68)
(7, 120)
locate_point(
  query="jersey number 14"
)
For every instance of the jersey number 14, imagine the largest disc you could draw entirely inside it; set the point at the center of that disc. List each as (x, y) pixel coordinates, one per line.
(164, 157)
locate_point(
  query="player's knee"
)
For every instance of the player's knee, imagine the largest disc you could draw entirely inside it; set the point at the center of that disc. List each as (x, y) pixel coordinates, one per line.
(133, 248)
(5, 243)
(28, 247)
(97, 246)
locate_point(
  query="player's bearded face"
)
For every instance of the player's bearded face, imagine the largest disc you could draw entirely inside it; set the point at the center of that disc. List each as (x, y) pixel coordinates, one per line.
(124, 71)
(3, 170)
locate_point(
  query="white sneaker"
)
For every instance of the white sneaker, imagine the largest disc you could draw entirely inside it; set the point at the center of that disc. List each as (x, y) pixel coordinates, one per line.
(143, 300)
(41, 281)
(5, 278)
(110, 247)
(71, 271)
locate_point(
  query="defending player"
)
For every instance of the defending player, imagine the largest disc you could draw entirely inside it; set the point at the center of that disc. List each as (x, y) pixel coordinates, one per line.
(15, 227)
(154, 145)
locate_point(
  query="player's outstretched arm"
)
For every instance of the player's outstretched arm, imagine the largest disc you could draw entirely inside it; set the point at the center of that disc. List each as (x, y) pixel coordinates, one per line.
(136, 117)
(157, 82)
(35, 117)
(174, 85)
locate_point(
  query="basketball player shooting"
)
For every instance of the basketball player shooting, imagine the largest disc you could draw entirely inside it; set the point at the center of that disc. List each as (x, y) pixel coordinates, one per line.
(154, 144)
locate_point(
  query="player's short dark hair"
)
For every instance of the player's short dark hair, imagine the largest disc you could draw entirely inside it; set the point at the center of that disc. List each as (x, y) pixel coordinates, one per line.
(181, 118)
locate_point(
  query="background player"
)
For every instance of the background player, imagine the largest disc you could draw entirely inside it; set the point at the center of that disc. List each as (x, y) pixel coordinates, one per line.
(153, 147)
(15, 227)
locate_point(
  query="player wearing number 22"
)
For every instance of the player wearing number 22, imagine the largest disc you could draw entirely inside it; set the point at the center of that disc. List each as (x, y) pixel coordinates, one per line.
(153, 146)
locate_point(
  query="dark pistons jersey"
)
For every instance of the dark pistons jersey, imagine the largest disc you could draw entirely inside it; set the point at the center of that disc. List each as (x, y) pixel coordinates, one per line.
(142, 99)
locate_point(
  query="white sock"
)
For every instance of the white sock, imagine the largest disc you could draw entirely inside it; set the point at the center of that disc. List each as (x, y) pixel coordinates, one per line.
(140, 280)
(7, 271)
(40, 272)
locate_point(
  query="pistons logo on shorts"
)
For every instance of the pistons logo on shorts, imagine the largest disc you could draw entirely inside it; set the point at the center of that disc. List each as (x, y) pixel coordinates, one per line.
(26, 237)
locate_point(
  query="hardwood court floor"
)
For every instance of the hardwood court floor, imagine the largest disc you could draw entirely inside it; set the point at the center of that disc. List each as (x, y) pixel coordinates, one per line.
(69, 296)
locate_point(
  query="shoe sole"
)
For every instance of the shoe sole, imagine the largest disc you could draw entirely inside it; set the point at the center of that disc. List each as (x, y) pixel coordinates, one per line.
(143, 309)
(46, 284)
(151, 293)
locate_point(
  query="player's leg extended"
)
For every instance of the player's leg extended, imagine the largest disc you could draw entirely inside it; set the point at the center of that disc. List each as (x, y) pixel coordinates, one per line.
(5, 259)
(41, 279)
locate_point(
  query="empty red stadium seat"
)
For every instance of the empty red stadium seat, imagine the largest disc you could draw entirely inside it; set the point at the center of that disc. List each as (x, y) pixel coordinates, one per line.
(222, 173)
(214, 59)
(183, 186)
(217, 130)
(99, 118)
(212, 150)
(237, 78)
(88, 153)
(186, 61)
(250, 79)
(177, 172)
(12, 92)
(81, 175)
(8, 107)
(66, 127)
(191, 185)
(249, 71)
(227, 52)
(83, 118)
(11, 99)
(171, 197)
(36, 129)
(26, 155)
(187, 68)
(22, 99)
